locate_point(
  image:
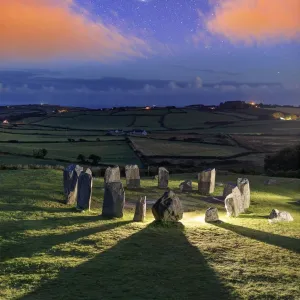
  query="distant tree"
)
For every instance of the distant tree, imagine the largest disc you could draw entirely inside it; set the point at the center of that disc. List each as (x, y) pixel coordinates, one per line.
(98, 139)
(40, 153)
(82, 140)
(95, 159)
(278, 115)
(81, 158)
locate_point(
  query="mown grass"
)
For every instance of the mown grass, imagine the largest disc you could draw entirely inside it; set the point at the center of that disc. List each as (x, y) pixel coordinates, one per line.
(49, 251)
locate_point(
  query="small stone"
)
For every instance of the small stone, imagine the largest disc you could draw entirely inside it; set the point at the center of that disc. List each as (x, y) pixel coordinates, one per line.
(211, 215)
(206, 181)
(163, 178)
(186, 186)
(112, 175)
(168, 208)
(70, 178)
(133, 180)
(234, 204)
(140, 210)
(114, 200)
(244, 187)
(85, 184)
(280, 216)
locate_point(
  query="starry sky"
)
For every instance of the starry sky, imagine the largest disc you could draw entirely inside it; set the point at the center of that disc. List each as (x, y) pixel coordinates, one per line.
(232, 41)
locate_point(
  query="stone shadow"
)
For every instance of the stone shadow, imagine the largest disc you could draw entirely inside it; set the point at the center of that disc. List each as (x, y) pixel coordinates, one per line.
(157, 262)
(288, 243)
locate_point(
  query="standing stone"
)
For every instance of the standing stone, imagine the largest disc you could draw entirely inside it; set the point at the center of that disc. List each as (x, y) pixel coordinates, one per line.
(163, 178)
(228, 189)
(186, 186)
(114, 200)
(233, 203)
(206, 181)
(112, 175)
(71, 174)
(280, 216)
(244, 186)
(133, 180)
(211, 215)
(168, 208)
(85, 184)
(140, 210)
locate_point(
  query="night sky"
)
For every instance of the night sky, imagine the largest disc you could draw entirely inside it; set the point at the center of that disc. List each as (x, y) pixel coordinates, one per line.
(212, 41)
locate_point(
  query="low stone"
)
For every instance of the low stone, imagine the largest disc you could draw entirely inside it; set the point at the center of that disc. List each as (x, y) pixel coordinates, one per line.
(133, 180)
(244, 187)
(206, 181)
(163, 178)
(140, 210)
(280, 216)
(186, 186)
(234, 204)
(70, 178)
(211, 215)
(85, 184)
(112, 175)
(168, 208)
(228, 187)
(114, 200)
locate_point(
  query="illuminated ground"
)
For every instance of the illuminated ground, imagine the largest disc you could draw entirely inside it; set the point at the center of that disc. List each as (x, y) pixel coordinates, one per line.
(49, 251)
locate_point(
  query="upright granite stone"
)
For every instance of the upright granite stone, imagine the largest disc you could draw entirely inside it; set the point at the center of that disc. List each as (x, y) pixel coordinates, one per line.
(234, 204)
(211, 215)
(112, 175)
(85, 184)
(186, 186)
(228, 187)
(168, 208)
(70, 177)
(133, 180)
(163, 178)
(280, 216)
(140, 210)
(114, 200)
(244, 187)
(206, 181)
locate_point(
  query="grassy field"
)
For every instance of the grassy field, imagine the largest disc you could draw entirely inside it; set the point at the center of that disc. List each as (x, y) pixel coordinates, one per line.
(49, 251)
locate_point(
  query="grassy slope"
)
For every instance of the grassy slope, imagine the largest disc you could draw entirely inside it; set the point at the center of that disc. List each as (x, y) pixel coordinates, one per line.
(48, 251)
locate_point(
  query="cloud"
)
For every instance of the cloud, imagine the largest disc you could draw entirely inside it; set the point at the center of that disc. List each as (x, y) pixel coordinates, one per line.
(38, 30)
(256, 21)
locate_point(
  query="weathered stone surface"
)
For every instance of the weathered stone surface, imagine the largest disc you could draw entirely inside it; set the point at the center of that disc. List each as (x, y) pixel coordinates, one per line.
(70, 177)
(206, 181)
(186, 186)
(140, 210)
(112, 174)
(163, 178)
(280, 216)
(211, 215)
(233, 203)
(244, 187)
(168, 208)
(114, 200)
(85, 184)
(133, 180)
(229, 186)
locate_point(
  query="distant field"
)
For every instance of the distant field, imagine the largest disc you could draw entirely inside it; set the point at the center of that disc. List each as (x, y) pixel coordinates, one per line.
(148, 123)
(151, 112)
(151, 147)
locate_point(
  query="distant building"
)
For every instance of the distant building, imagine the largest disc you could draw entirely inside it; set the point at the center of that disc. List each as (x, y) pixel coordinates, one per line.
(138, 132)
(5, 122)
(116, 132)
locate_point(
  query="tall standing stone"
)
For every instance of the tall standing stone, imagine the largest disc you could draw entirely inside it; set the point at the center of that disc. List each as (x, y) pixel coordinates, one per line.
(234, 204)
(140, 210)
(112, 175)
(206, 181)
(114, 200)
(163, 178)
(244, 186)
(133, 180)
(85, 184)
(70, 177)
(168, 208)
(228, 188)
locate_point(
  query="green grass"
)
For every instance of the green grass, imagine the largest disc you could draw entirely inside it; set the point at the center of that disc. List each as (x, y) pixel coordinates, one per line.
(148, 123)
(49, 251)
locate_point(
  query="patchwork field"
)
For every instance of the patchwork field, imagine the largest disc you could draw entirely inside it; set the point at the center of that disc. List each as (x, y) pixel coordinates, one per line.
(50, 251)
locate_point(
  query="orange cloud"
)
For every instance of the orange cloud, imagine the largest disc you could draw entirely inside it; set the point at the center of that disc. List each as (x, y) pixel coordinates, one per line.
(34, 30)
(253, 21)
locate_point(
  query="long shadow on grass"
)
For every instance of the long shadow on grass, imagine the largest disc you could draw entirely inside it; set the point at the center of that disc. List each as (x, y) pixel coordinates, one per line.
(28, 246)
(154, 263)
(289, 243)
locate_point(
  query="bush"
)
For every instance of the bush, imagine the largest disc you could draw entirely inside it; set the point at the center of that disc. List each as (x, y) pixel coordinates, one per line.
(40, 153)
(95, 159)
(82, 140)
(81, 158)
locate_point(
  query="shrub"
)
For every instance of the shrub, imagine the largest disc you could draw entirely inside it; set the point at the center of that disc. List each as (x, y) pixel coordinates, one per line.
(81, 158)
(40, 153)
(95, 159)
